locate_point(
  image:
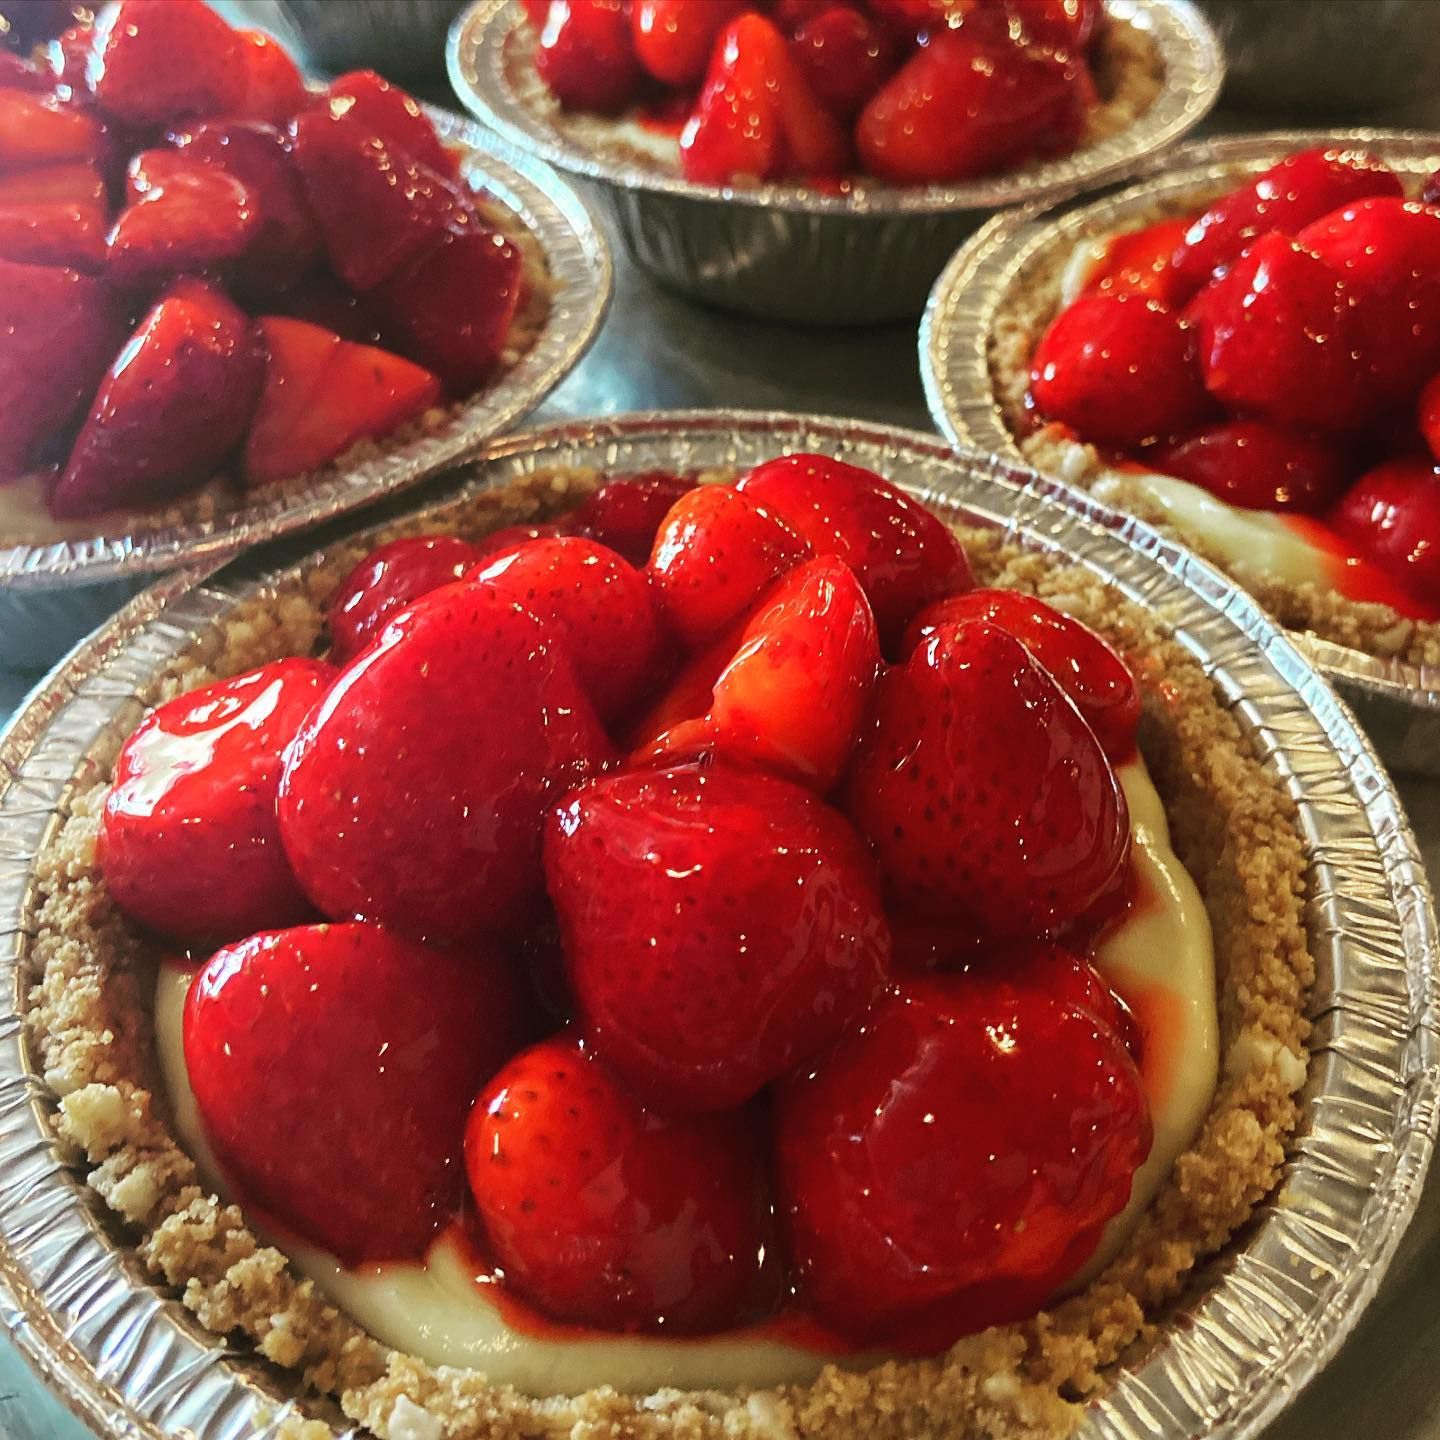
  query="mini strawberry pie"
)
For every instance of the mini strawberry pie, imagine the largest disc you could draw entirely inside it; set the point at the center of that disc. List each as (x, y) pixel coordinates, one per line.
(648, 937)
(827, 92)
(213, 281)
(1263, 376)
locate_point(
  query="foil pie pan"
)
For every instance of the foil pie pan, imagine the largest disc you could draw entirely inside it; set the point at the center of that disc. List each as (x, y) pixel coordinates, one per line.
(125, 1356)
(1398, 703)
(788, 252)
(53, 594)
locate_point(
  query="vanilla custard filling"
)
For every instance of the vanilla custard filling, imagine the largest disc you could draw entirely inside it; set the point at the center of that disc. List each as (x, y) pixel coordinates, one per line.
(1160, 959)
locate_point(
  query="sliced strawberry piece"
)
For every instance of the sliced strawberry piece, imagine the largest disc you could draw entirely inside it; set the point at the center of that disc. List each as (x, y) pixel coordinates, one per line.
(604, 1213)
(594, 603)
(39, 131)
(443, 840)
(1139, 264)
(189, 842)
(395, 1037)
(386, 581)
(714, 556)
(321, 395)
(183, 215)
(844, 56)
(1079, 661)
(1258, 466)
(587, 56)
(1392, 515)
(1023, 825)
(274, 87)
(626, 514)
(1428, 416)
(377, 210)
(156, 61)
(903, 555)
(720, 927)
(58, 330)
(674, 38)
(792, 689)
(1285, 198)
(1120, 370)
(915, 1220)
(387, 112)
(54, 217)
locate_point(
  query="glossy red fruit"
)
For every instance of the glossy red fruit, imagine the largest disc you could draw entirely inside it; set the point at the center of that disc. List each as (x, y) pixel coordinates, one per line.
(509, 536)
(55, 216)
(451, 307)
(604, 1213)
(1280, 338)
(17, 73)
(844, 56)
(1388, 253)
(1428, 416)
(1022, 824)
(625, 514)
(156, 61)
(1285, 198)
(592, 602)
(915, 1216)
(673, 38)
(442, 841)
(175, 403)
(1258, 466)
(394, 117)
(189, 842)
(274, 87)
(786, 691)
(321, 395)
(1392, 516)
(961, 107)
(586, 55)
(714, 556)
(901, 553)
(58, 330)
(719, 927)
(395, 1037)
(1080, 662)
(183, 215)
(1119, 370)
(67, 58)
(1139, 264)
(37, 131)
(320, 299)
(1061, 24)
(386, 581)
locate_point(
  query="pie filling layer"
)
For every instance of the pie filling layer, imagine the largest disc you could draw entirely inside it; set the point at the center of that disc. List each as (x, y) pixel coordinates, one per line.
(1159, 960)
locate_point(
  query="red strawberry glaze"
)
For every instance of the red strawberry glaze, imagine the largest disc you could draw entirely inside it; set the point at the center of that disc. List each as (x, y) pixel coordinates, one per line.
(1355, 577)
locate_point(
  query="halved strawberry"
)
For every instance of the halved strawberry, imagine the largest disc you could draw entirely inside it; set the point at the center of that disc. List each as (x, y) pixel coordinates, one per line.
(274, 87)
(54, 216)
(174, 405)
(1139, 263)
(586, 55)
(625, 514)
(394, 117)
(321, 395)
(844, 56)
(1392, 515)
(38, 131)
(674, 38)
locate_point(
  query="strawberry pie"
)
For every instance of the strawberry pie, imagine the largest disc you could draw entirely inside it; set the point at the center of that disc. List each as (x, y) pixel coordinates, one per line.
(655, 958)
(214, 281)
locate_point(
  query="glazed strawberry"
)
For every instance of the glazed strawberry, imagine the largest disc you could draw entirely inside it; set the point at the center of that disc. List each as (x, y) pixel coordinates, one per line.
(673, 38)
(1257, 466)
(511, 536)
(1139, 264)
(586, 55)
(175, 403)
(785, 691)
(1392, 515)
(1061, 24)
(274, 88)
(1023, 824)
(17, 73)
(55, 216)
(189, 842)
(1280, 338)
(1428, 416)
(442, 840)
(908, 20)
(37, 131)
(1118, 369)
(1080, 662)
(451, 308)
(903, 555)
(58, 331)
(915, 1219)
(321, 395)
(1388, 254)
(1285, 198)
(395, 118)
(156, 61)
(286, 244)
(720, 927)
(604, 1213)
(395, 1037)
(182, 215)
(625, 514)
(961, 107)
(386, 581)
(67, 58)
(716, 553)
(844, 56)
(376, 210)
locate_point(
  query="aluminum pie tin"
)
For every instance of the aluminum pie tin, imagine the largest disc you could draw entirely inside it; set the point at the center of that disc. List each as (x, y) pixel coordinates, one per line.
(53, 594)
(1399, 703)
(788, 252)
(126, 1358)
